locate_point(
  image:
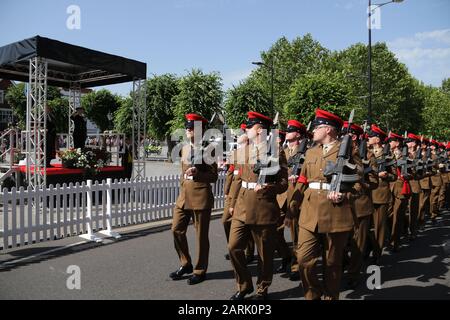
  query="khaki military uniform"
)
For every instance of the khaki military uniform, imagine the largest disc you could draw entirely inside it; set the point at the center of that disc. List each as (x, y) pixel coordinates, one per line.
(399, 204)
(363, 208)
(324, 227)
(256, 215)
(414, 201)
(443, 190)
(424, 197)
(289, 203)
(447, 192)
(195, 201)
(381, 198)
(231, 190)
(226, 217)
(436, 184)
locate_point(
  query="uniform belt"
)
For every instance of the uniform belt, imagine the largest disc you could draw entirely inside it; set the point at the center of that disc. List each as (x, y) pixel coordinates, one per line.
(186, 177)
(319, 185)
(235, 172)
(248, 185)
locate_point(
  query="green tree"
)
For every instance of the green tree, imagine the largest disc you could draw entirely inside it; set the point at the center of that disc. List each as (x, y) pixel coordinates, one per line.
(326, 90)
(59, 105)
(247, 96)
(100, 107)
(396, 104)
(446, 86)
(161, 93)
(123, 117)
(436, 114)
(16, 98)
(290, 60)
(60, 109)
(198, 92)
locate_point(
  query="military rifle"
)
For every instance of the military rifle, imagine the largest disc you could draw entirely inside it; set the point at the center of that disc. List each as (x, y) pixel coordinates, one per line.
(418, 162)
(429, 164)
(336, 170)
(270, 166)
(404, 162)
(386, 160)
(296, 162)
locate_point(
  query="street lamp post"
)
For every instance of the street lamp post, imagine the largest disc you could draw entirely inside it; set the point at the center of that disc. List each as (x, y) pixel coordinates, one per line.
(271, 68)
(369, 108)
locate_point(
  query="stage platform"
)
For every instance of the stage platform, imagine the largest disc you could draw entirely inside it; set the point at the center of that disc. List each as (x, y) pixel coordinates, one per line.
(57, 174)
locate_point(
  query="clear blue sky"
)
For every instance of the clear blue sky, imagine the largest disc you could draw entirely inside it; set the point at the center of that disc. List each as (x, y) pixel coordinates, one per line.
(226, 35)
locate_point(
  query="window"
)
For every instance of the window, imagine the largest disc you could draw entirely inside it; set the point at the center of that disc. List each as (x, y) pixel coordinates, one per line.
(5, 116)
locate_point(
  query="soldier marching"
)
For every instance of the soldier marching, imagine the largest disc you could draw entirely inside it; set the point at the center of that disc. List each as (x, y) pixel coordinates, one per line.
(345, 193)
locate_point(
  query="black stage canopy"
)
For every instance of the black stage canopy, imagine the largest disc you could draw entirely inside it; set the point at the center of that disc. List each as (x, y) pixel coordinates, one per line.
(68, 63)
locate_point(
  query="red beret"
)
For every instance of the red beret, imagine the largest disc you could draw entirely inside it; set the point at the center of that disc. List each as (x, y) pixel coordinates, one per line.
(258, 118)
(325, 117)
(195, 117)
(243, 126)
(376, 131)
(354, 128)
(413, 137)
(434, 142)
(447, 146)
(394, 136)
(295, 126)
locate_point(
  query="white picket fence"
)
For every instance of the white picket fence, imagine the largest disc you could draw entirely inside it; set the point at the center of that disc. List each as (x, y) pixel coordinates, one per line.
(30, 216)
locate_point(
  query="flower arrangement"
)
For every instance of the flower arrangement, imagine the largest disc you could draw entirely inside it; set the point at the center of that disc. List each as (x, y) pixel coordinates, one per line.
(87, 159)
(69, 157)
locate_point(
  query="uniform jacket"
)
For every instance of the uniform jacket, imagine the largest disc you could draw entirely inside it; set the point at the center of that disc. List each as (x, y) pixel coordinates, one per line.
(196, 194)
(382, 194)
(398, 185)
(362, 202)
(290, 200)
(436, 179)
(259, 208)
(317, 212)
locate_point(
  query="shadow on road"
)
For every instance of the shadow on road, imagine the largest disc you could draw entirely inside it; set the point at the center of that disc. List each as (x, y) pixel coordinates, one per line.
(423, 260)
(10, 264)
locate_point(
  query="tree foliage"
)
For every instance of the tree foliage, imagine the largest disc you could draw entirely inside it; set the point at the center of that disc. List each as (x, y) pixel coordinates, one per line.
(161, 93)
(100, 107)
(396, 101)
(291, 60)
(123, 117)
(436, 113)
(16, 98)
(247, 96)
(198, 92)
(325, 90)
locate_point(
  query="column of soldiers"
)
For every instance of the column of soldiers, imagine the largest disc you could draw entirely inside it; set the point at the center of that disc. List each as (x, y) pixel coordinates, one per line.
(399, 181)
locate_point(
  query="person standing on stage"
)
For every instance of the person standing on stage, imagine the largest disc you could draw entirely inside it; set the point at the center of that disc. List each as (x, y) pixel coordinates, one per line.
(80, 130)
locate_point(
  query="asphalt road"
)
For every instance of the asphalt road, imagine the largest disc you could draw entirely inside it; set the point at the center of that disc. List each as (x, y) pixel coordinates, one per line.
(137, 267)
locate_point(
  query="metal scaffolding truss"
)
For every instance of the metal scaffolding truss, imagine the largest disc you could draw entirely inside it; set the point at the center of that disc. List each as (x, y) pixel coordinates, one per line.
(139, 128)
(36, 122)
(74, 103)
(42, 61)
